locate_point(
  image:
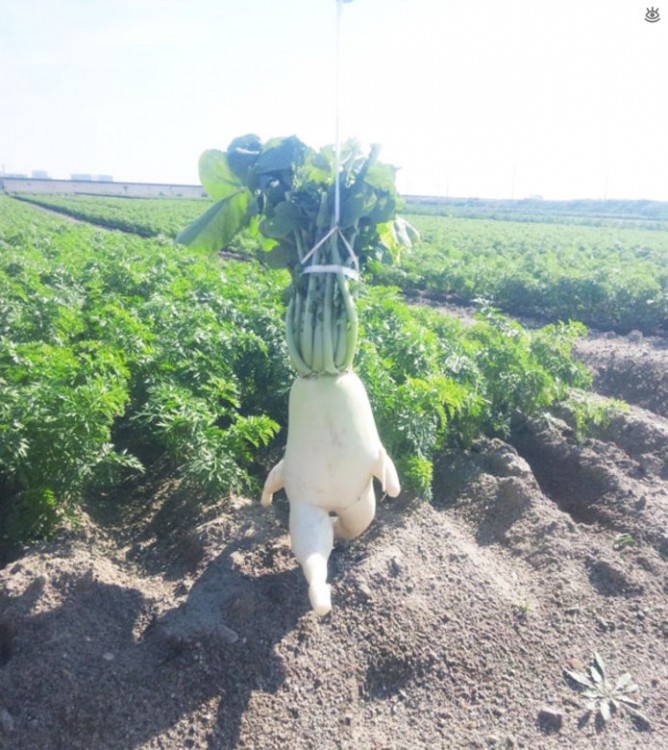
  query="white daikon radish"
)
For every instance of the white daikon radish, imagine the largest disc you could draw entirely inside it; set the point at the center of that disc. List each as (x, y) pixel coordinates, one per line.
(323, 214)
(333, 452)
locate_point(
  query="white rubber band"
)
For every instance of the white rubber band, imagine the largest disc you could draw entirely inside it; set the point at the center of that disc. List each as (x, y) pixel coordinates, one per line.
(351, 273)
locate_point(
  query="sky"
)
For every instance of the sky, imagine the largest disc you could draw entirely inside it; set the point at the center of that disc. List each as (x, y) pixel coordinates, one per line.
(565, 99)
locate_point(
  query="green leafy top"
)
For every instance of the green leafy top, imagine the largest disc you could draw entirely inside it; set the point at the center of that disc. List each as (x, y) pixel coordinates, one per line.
(283, 191)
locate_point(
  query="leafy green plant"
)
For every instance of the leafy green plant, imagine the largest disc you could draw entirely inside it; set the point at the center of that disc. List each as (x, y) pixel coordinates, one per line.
(205, 436)
(522, 371)
(603, 696)
(433, 381)
(417, 404)
(622, 541)
(321, 225)
(118, 352)
(57, 408)
(604, 276)
(590, 412)
(146, 217)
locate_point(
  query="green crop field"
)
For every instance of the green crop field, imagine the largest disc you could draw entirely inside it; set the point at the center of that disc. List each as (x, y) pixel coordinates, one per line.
(639, 214)
(607, 277)
(603, 265)
(147, 217)
(121, 354)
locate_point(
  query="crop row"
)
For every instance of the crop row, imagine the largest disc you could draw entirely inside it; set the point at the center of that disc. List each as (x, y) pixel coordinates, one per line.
(120, 354)
(639, 214)
(605, 277)
(609, 277)
(147, 217)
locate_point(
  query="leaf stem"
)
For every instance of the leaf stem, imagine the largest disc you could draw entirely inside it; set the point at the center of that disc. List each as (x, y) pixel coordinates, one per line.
(328, 323)
(298, 362)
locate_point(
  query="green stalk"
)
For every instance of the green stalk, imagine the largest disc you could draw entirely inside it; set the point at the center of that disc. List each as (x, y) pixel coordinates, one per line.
(347, 344)
(323, 212)
(352, 326)
(307, 324)
(298, 322)
(323, 325)
(299, 364)
(318, 348)
(340, 350)
(299, 244)
(328, 326)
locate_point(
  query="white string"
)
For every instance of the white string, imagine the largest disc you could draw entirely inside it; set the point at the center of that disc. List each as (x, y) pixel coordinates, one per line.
(320, 243)
(324, 239)
(352, 273)
(337, 108)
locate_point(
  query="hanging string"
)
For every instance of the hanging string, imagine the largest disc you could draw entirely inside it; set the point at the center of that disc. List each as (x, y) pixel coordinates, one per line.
(337, 115)
(352, 273)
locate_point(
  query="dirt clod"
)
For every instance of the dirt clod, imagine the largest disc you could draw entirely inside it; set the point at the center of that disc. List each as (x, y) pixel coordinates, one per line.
(550, 721)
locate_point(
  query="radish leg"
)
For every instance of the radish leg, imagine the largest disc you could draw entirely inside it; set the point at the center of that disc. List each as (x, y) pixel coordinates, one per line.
(354, 519)
(386, 473)
(275, 482)
(312, 540)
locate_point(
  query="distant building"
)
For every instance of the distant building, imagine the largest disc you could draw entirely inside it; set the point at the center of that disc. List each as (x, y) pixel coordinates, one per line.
(40, 174)
(90, 177)
(89, 185)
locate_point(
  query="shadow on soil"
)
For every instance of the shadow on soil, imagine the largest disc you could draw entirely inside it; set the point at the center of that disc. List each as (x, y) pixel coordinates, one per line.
(217, 646)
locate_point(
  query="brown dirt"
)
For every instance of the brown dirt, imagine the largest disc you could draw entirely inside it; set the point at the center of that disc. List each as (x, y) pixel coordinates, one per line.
(632, 367)
(155, 625)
